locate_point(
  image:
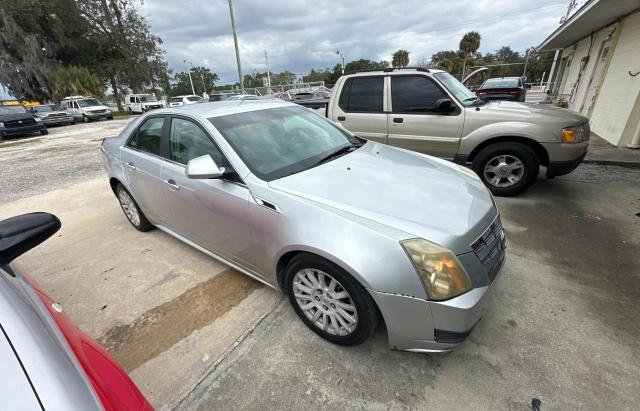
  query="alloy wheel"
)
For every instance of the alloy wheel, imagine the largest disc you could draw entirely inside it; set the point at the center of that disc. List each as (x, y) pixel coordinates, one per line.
(325, 302)
(129, 207)
(503, 170)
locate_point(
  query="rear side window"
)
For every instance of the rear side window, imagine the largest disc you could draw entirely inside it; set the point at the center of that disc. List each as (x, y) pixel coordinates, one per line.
(188, 141)
(414, 94)
(362, 95)
(148, 136)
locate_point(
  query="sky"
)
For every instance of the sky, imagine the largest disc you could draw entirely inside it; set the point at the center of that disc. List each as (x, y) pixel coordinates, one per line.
(302, 34)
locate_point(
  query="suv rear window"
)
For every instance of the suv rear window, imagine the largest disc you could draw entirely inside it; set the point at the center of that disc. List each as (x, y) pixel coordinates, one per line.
(362, 95)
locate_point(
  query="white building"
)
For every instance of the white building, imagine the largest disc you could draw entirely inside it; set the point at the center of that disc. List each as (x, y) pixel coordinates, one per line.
(597, 67)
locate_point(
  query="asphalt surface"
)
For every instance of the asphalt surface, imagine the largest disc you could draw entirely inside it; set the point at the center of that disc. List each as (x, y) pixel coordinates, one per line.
(561, 334)
(562, 331)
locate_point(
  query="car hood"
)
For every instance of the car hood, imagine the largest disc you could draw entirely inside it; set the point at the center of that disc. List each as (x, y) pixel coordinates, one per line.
(420, 195)
(16, 116)
(509, 109)
(48, 113)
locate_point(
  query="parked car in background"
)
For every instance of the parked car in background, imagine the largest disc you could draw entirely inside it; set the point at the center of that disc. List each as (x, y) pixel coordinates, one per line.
(47, 362)
(184, 100)
(431, 112)
(345, 227)
(15, 120)
(503, 88)
(141, 103)
(85, 108)
(219, 96)
(52, 114)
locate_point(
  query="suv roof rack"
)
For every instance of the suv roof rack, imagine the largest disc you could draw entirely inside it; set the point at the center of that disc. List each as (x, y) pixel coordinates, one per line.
(389, 70)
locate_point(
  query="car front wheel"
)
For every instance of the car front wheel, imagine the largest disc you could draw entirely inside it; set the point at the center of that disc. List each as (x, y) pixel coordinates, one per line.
(507, 169)
(330, 301)
(131, 210)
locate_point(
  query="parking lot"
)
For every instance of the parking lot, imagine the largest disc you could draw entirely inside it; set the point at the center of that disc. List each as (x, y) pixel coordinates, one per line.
(563, 327)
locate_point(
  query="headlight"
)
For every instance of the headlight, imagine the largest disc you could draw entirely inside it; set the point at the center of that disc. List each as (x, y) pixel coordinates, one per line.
(573, 134)
(442, 274)
(1, 125)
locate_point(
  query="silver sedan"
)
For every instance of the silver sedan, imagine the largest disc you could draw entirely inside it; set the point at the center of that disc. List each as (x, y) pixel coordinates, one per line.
(352, 231)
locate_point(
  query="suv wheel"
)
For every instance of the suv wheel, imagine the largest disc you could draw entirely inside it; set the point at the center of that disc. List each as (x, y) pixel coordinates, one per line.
(131, 210)
(329, 301)
(507, 168)
(44, 132)
(86, 119)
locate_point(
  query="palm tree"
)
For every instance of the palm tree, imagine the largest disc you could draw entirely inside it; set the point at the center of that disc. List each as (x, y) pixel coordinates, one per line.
(400, 58)
(469, 44)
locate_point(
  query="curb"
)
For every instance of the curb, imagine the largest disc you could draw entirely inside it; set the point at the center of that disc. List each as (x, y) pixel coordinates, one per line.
(619, 163)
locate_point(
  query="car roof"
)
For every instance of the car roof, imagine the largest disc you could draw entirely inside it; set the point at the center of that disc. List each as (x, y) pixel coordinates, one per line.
(225, 107)
(394, 72)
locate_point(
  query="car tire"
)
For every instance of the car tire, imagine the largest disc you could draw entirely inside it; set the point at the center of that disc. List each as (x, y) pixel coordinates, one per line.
(44, 132)
(507, 169)
(131, 209)
(346, 309)
(86, 119)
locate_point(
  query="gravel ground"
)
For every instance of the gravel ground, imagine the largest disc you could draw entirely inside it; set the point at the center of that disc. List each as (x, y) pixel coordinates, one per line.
(67, 155)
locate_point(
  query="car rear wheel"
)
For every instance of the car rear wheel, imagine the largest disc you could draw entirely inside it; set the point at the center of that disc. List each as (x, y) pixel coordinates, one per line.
(330, 301)
(507, 169)
(131, 210)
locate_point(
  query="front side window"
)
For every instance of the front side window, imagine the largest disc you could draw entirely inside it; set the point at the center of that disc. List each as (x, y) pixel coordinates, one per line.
(148, 136)
(278, 142)
(176, 100)
(414, 94)
(362, 95)
(455, 87)
(132, 99)
(188, 141)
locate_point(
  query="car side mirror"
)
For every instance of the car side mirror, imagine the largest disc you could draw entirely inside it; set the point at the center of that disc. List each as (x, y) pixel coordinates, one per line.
(443, 105)
(203, 167)
(21, 233)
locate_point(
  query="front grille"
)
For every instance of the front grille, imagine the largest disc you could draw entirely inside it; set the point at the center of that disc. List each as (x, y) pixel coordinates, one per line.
(20, 123)
(52, 115)
(99, 111)
(490, 246)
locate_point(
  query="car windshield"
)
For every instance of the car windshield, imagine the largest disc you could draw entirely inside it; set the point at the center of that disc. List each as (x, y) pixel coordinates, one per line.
(501, 83)
(455, 87)
(51, 107)
(278, 142)
(11, 109)
(148, 99)
(88, 102)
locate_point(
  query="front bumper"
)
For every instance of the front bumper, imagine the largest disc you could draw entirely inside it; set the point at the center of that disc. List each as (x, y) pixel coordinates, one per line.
(564, 158)
(96, 116)
(17, 131)
(53, 121)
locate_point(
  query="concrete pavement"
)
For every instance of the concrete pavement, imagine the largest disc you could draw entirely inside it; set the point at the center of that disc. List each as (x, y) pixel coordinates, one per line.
(563, 327)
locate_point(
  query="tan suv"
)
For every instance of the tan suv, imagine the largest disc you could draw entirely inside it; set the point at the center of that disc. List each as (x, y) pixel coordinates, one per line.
(431, 112)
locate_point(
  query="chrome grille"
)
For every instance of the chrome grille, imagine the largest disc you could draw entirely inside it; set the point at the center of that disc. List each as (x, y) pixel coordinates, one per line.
(19, 123)
(490, 246)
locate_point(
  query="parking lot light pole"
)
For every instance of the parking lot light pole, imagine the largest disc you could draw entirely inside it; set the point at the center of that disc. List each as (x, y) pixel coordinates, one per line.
(342, 57)
(193, 91)
(235, 42)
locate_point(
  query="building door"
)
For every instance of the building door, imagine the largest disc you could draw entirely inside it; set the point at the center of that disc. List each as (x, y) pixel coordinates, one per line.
(596, 79)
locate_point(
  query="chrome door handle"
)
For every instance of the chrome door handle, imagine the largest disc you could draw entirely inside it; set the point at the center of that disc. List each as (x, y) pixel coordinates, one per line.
(172, 184)
(131, 165)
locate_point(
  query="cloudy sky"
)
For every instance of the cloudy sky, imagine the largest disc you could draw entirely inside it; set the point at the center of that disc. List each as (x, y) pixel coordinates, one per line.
(304, 34)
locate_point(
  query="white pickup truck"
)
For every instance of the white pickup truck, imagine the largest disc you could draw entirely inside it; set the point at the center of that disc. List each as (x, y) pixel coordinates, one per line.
(431, 112)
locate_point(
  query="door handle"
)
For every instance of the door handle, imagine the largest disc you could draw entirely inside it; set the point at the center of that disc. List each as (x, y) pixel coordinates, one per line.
(131, 165)
(341, 118)
(398, 119)
(172, 184)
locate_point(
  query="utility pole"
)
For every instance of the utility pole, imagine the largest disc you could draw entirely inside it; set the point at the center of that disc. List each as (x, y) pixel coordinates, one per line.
(342, 57)
(572, 5)
(204, 87)
(235, 41)
(526, 61)
(266, 59)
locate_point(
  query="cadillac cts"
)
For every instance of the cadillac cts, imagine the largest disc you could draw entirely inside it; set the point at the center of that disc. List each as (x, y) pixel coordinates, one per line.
(352, 231)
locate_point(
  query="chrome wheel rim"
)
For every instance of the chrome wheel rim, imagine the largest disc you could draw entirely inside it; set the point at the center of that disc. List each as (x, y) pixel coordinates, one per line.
(325, 302)
(129, 207)
(504, 170)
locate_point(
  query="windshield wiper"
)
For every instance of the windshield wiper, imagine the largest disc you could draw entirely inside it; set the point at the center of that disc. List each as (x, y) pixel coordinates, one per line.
(341, 151)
